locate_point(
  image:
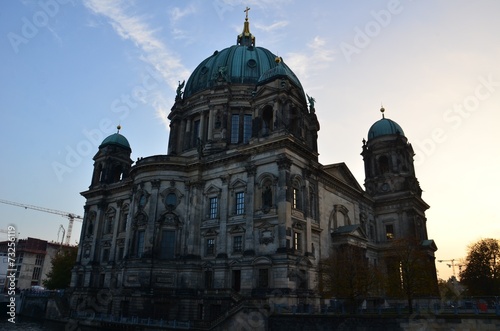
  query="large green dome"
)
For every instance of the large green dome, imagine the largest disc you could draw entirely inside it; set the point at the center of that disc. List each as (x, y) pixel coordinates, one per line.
(384, 127)
(238, 64)
(243, 63)
(117, 140)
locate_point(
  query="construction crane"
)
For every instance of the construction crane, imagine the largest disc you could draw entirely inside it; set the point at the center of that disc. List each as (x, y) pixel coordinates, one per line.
(452, 265)
(61, 228)
(70, 216)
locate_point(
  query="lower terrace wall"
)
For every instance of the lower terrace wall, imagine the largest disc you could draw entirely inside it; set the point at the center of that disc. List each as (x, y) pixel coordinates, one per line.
(381, 323)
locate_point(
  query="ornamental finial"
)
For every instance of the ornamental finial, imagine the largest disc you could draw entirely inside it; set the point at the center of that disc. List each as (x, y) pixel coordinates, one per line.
(246, 38)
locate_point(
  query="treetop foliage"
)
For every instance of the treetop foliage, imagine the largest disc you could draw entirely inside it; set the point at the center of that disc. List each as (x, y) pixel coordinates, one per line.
(481, 272)
(59, 276)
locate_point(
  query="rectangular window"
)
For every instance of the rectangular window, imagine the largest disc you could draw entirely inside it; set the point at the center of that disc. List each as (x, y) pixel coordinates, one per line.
(105, 255)
(109, 225)
(237, 244)
(209, 278)
(140, 243)
(167, 244)
(236, 281)
(36, 273)
(102, 277)
(295, 198)
(247, 128)
(79, 281)
(263, 281)
(214, 205)
(124, 222)
(210, 246)
(121, 249)
(235, 129)
(389, 231)
(240, 203)
(196, 132)
(297, 241)
(20, 258)
(39, 259)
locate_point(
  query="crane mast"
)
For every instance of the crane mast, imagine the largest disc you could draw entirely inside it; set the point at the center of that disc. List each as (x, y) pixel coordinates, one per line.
(70, 216)
(452, 265)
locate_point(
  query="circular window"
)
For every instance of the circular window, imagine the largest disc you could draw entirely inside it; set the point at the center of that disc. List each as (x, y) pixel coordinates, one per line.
(252, 63)
(204, 70)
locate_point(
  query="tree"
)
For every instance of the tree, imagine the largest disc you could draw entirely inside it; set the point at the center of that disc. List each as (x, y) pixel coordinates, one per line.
(481, 272)
(450, 289)
(347, 274)
(411, 271)
(59, 276)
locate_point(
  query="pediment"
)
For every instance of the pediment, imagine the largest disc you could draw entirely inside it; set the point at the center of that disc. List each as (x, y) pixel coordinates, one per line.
(238, 183)
(354, 230)
(212, 189)
(262, 260)
(341, 172)
(237, 229)
(303, 261)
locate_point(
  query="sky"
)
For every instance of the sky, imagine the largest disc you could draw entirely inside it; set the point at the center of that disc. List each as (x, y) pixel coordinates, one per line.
(73, 70)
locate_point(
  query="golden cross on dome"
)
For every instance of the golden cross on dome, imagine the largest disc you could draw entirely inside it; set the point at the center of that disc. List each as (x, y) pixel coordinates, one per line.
(246, 11)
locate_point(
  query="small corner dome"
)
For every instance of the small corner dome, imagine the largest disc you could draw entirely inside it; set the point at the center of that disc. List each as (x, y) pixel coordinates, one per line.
(281, 70)
(116, 139)
(384, 127)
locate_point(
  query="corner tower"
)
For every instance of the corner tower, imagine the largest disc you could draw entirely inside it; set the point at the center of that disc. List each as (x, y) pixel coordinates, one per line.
(112, 162)
(391, 181)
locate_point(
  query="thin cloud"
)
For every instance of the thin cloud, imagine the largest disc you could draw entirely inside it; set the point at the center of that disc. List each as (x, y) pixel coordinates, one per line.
(177, 13)
(272, 27)
(315, 59)
(153, 51)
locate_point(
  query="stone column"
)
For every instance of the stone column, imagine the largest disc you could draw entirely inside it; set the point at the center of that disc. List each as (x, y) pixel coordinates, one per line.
(201, 132)
(114, 231)
(181, 137)
(223, 212)
(98, 227)
(149, 244)
(283, 199)
(210, 123)
(249, 207)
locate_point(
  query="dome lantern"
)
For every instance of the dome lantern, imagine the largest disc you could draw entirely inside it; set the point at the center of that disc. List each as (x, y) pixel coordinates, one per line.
(384, 127)
(246, 38)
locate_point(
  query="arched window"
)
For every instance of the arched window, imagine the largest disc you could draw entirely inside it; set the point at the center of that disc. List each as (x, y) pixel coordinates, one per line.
(296, 195)
(171, 201)
(108, 225)
(123, 218)
(267, 121)
(383, 164)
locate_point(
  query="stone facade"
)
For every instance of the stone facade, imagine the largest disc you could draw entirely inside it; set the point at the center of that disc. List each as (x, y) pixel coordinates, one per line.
(240, 207)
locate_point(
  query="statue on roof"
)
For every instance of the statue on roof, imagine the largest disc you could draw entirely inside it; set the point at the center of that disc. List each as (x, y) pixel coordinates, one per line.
(311, 102)
(179, 90)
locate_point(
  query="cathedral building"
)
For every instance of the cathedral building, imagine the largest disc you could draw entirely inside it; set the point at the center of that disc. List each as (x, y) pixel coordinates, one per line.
(240, 207)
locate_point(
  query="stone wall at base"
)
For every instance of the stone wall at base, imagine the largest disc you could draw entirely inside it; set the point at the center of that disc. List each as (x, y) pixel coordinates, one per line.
(382, 323)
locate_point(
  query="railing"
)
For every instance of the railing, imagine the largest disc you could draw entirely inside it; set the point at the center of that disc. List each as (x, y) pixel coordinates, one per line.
(134, 320)
(470, 306)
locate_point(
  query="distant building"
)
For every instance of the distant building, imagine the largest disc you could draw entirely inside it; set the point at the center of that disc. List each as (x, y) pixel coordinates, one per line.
(33, 260)
(239, 208)
(4, 265)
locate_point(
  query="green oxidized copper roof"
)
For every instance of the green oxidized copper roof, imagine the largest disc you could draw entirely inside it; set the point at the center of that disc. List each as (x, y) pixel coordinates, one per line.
(117, 140)
(243, 63)
(384, 127)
